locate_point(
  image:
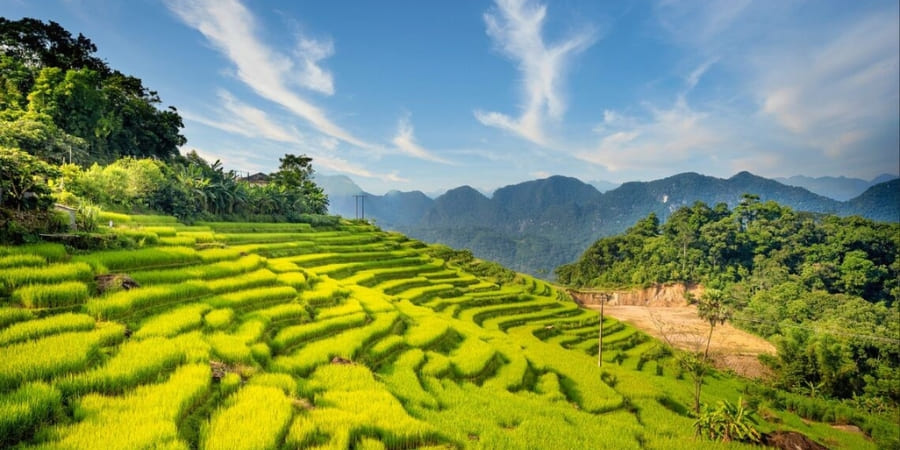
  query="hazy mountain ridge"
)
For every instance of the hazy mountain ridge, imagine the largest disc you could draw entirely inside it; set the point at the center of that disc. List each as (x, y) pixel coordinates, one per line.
(537, 225)
(839, 188)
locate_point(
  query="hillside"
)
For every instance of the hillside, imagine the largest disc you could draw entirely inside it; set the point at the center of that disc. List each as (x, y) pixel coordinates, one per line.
(265, 335)
(538, 225)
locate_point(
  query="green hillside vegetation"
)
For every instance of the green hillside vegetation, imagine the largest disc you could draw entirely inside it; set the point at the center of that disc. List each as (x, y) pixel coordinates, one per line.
(824, 289)
(341, 336)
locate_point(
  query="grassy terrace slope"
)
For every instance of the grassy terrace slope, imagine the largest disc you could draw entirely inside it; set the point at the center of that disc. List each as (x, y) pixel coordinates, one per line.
(285, 336)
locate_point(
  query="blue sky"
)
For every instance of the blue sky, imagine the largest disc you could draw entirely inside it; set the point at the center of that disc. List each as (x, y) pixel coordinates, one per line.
(431, 95)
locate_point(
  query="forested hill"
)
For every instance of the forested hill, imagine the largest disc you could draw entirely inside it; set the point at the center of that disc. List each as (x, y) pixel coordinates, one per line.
(538, 225)
(825, 290)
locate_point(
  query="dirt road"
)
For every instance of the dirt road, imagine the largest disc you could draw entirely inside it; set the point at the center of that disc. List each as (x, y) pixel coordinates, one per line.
(730, 347)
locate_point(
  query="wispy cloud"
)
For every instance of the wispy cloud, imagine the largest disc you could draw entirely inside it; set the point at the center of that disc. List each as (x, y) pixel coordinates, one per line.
(835, 90)
(231, 29)
(516, 27)
(405, 141)
(240, 118)
(665, 138)
(310, 51)
(813, 95)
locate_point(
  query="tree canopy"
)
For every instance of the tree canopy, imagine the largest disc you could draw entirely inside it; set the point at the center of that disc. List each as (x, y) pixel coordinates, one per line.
(61, 102)
(824, 289)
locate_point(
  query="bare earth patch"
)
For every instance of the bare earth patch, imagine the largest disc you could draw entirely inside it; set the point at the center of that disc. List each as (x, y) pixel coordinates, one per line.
(730, 347)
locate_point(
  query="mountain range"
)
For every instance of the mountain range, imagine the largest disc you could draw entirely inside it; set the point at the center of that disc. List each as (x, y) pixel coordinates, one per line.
(838, 188)
(537, 225)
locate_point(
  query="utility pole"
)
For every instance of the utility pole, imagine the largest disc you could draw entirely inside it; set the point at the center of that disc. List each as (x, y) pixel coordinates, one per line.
(603, 297)
(360, 200)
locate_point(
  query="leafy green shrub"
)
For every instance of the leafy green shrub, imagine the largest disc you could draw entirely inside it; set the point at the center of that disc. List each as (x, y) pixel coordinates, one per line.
(727, 422)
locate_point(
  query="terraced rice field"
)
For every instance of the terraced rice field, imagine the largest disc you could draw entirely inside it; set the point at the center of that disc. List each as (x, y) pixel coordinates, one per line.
(284, 336)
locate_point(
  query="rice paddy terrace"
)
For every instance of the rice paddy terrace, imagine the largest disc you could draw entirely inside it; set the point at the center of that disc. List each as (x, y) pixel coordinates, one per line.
(286, 336)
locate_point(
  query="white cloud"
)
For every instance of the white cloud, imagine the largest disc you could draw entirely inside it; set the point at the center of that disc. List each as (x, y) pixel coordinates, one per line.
(240, 118)
(405, 141)
(666, 138)
(813, 95)
(231, 29)
(517, 31)
(837, 87)
(310, 52)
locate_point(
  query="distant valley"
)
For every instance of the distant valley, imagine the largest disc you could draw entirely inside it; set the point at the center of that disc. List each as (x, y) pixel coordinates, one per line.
(538, 225)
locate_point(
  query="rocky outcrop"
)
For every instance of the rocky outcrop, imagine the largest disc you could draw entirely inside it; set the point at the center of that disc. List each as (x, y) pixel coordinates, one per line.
(657, 295)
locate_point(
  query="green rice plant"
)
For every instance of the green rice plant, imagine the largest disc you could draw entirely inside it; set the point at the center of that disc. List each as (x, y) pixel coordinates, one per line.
(282, 381)
(294, 335)
(49, 356)
(230, 348)
(174, 322)
(512, 372)
(548, 386)
(24, 260)
(256, 417)
(369, 278)
(394, 287)
(436, 364)
(282, 265)
(211, 255)
(11, 278)
(63, 294)
(49, 251)
(9, 316)
(403, 381)
(142, 238)
(370, 444)
(294, 279)
(136, 362)
(371, 300)
(325, 291)
(253, 297)
(133, 301)
(252, 227)
(200, 237)
(526, 420)
(30, 329)
(422, 294)
(177, 241)
(219, 318)
(146, 417)
(353, 402)
(164, 276)
(261, 353)
(582, 376)
(426, 330)
(349, 306)
(294, 312)
(261, 238)
(386, 346)
(472, 357)
(161, 231)
(149, 219)
(259, 278)
(106, 216)
(345, 345)
(222, 269)
(25, 409)
(153, 257)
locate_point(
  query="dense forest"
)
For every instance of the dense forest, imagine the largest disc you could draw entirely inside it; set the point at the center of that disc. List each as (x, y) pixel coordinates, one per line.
(74, 131)
(824, 289)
